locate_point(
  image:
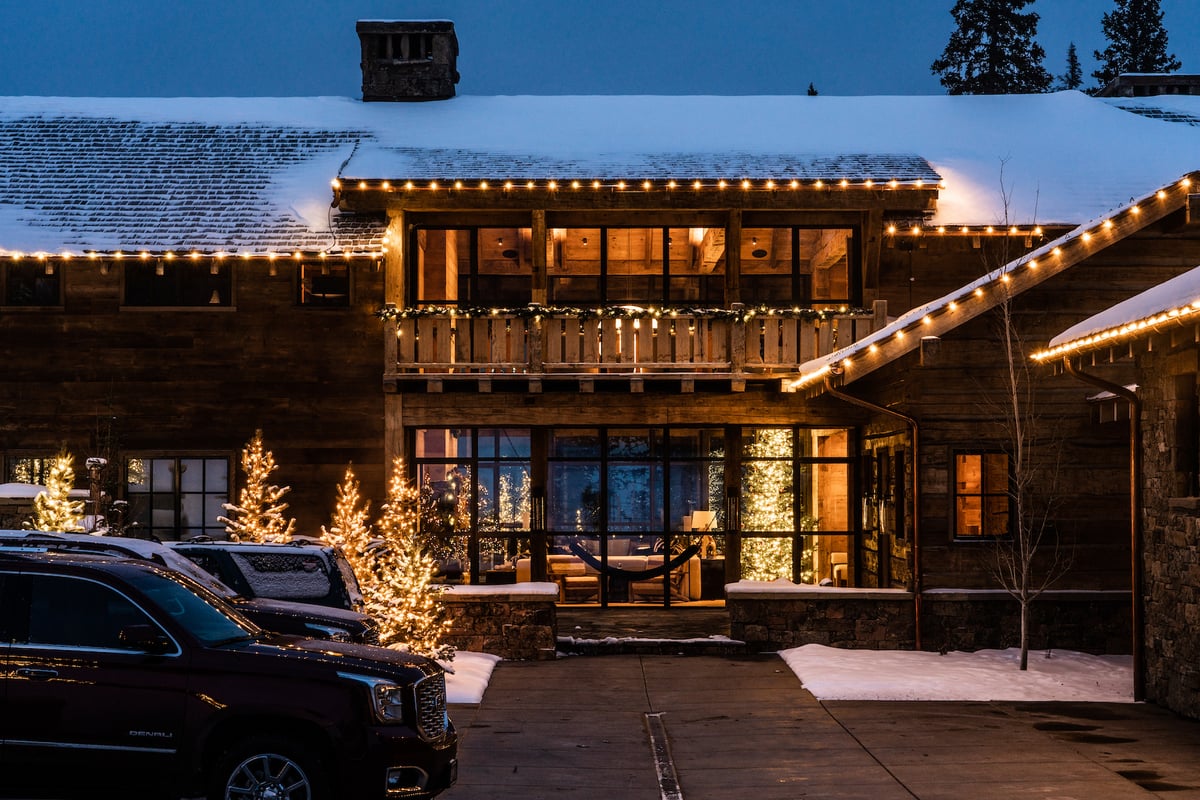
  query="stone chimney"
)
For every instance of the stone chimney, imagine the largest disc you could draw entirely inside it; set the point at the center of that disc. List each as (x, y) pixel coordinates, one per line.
(408, 60)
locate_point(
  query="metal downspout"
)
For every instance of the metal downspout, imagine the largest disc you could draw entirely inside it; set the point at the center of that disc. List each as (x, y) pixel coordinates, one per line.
(916, 493)
(1137, 619)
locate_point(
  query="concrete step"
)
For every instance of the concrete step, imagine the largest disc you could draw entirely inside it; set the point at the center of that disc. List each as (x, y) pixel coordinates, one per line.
(616, 645)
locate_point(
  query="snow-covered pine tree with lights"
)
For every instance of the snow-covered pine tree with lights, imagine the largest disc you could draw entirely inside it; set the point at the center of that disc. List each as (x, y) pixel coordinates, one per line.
(258, 516)
(993, 50)
(767, 505)
(349, 526)
(1137, 41)
(400, 591)
(53, 509)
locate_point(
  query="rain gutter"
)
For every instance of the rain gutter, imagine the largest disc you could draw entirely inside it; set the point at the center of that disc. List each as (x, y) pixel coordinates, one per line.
(1138, 622)
(916, 490)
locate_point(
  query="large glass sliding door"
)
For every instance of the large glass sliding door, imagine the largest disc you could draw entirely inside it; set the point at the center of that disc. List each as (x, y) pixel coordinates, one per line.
(640, 514)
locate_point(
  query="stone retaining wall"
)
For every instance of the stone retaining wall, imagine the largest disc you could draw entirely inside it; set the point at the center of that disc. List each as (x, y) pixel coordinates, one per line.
(1091, 622)
(871, 619)
(881, 619)
(517, 622)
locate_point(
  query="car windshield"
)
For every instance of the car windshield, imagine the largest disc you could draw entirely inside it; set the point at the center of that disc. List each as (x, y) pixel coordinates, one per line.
(175, 561)
(204, 620)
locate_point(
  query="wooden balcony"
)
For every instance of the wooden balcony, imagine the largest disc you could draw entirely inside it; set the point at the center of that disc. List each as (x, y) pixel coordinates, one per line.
(694, 346)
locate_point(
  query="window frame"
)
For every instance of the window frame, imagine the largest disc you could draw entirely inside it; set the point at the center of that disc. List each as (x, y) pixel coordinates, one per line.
(983, 494)
(39, 268)
(179, 271)
(176, 531)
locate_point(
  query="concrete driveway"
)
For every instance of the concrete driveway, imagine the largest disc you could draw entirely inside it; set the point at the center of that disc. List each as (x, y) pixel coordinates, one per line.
(704, 728)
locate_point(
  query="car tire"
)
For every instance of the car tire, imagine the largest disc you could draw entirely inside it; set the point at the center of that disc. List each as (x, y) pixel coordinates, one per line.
(269, 766)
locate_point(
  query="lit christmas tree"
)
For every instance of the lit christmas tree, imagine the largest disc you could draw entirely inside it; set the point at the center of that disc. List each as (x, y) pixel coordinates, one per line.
(767, 505)
(258, 517)
(53, 509)
(399, 588)
(349, 526)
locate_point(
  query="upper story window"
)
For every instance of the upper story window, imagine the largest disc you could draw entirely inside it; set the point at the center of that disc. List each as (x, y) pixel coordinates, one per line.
(472, 266)
(185, 282)
(981, 495)
(32, 283)
(324, 285)
(811, 267)
(658, 266)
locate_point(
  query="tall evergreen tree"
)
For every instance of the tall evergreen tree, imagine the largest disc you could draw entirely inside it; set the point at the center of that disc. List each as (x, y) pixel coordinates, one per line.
(1137, 41)
(993, 50)
(1073, 77)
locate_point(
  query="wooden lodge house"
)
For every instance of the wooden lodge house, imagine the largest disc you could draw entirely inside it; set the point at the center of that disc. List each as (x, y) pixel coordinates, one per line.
(753, 337)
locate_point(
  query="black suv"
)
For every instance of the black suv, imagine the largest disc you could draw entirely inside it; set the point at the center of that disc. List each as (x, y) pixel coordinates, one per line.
(120, 676)
(281, 616)
(303, 571)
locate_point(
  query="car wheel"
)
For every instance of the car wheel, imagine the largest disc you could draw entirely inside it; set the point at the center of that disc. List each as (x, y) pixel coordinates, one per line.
(269, 768)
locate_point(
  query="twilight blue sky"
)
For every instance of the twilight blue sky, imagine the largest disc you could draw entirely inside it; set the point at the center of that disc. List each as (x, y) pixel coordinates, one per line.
(308, 47)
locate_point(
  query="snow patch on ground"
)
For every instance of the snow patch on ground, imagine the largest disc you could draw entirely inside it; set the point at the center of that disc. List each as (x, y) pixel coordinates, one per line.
(832, 673)
(467, 676)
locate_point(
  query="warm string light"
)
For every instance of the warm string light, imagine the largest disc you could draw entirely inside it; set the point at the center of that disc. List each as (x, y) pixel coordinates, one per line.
(645, 184)
(1124, 331)
(1084, 236)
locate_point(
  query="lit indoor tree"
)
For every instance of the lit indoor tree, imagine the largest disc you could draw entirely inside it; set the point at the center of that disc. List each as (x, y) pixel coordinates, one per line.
(767, 505)
(53, 509)
(400, 591)
(349, 526)
(258, 516)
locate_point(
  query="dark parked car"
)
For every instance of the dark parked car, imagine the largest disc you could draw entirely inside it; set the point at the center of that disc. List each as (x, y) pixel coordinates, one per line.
(281, 616)
(118, 678)
(302, 570)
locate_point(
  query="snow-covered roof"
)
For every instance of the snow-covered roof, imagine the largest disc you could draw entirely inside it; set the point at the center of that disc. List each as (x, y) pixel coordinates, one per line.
(1169, 302)
(253, 174)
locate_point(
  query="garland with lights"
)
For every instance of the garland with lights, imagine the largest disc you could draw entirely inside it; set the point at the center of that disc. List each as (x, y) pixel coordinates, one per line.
(534, 311)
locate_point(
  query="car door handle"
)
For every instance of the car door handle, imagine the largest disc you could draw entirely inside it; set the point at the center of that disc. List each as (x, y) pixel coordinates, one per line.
(37, 674)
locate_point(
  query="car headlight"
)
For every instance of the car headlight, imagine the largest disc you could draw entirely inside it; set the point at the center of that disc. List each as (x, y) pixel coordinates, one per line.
(387, 697)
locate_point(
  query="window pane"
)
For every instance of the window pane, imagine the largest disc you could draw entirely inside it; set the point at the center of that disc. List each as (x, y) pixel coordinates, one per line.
(216, 475)
(443, 443)
(635, 497)
(825, 265)
(697, 492)
(29, 284)
(441, 256)
(505, 268)
(325, 284)
(574, 497)
(635, 265)
(574, 271)
(575, 444)
(77, 613)
(191, 474)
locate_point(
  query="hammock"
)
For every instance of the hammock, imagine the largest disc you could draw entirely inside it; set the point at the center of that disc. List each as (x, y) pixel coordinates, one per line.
(630, 574)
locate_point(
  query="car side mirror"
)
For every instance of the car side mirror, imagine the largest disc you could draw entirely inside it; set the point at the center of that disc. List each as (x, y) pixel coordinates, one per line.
(146, 638)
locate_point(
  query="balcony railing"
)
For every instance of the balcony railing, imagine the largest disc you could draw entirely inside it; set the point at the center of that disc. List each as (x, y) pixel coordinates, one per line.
(443, 344)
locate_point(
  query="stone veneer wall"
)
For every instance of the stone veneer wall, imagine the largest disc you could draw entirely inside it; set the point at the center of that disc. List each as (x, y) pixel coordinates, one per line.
(774, 619)
(1088, 621)
(1171, 530)
(517, 622)
(873, 619)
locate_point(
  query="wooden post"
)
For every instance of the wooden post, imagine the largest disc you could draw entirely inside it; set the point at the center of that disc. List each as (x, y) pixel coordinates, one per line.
(733, 257)
(737, 340)
(539, 242)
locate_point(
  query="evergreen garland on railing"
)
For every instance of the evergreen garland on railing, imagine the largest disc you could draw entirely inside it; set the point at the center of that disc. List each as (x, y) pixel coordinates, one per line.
(533, 311)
